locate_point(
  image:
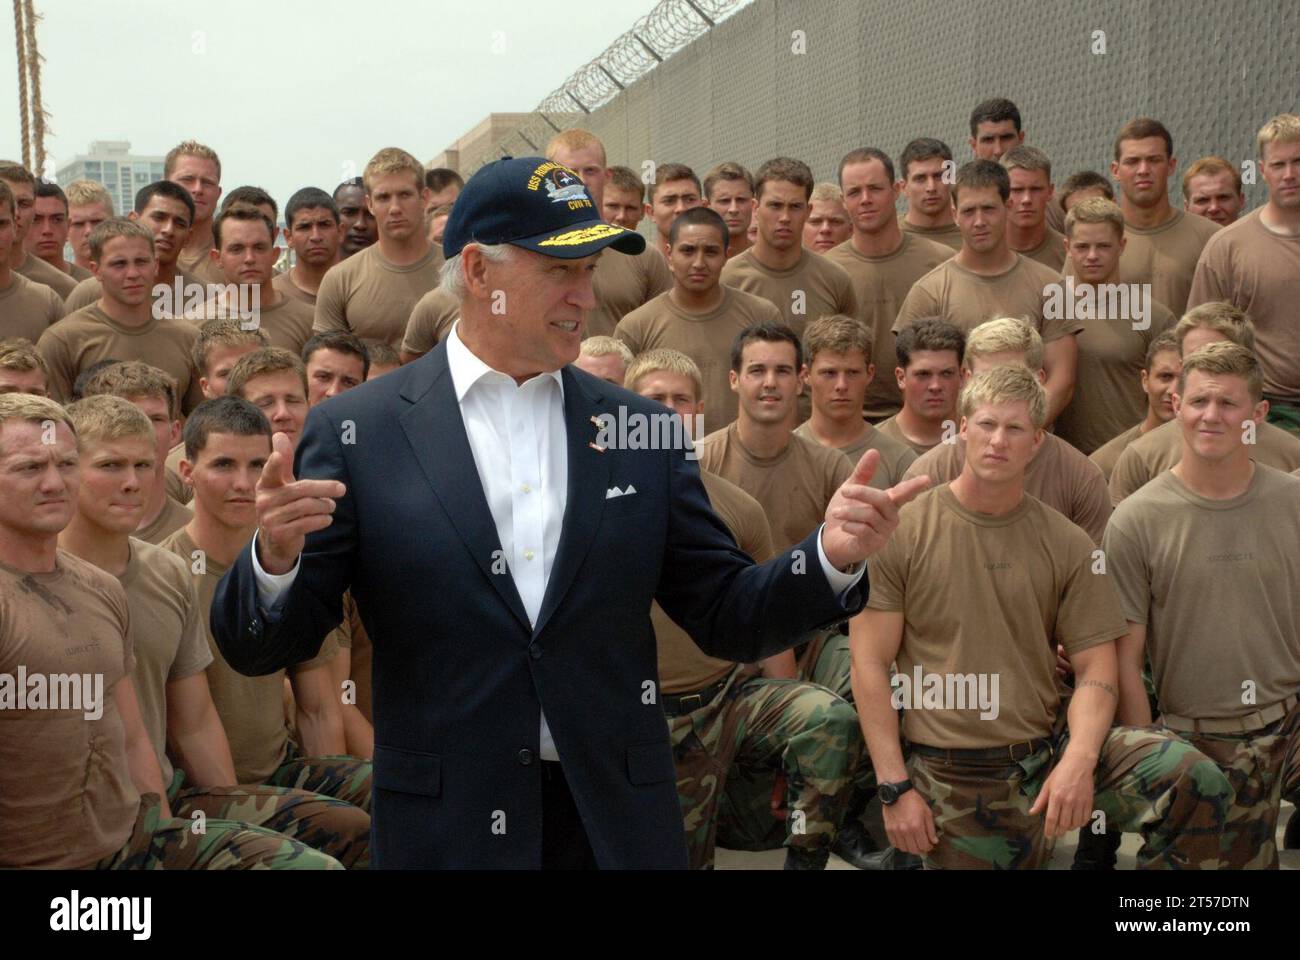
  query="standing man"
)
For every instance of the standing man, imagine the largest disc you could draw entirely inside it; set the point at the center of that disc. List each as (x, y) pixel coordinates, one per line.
(995, 129)
(22, 185)
(987, 279)
(1117, 330)
(197, 168)
(49, 230)
(1254, 263)
(313, 232)
(622, 284)
(1212, 189)
(1028, 232)
(494, 433)
(1163, 243)
(882, 262)
(928, 170)
(356, 222)
(371, 294)
(801, 284)
(729, 191)
(699, 316)
(27, 308)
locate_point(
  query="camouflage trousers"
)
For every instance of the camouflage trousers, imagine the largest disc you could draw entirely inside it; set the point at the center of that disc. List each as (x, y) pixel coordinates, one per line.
(331, 826)
(158, 843)
(343, 778)
(1147, 781)
(1284, 414)
(1264, 769)
(728, 752)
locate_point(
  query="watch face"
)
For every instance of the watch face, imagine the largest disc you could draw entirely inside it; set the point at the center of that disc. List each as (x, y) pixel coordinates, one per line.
(888, 793)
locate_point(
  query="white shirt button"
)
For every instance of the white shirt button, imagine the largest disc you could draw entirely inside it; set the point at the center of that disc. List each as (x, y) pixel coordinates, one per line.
(526, 488)
(528, 554)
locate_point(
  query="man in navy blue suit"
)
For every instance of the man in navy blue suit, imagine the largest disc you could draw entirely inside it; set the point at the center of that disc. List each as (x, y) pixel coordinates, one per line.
(503, 527)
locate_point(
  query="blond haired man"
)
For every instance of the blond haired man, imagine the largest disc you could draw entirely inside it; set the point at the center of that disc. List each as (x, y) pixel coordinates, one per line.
(197, 168)
(828, 224)
(1058, 475)
(21, 368)
(1253, 265)
(371, 293)
(605, 357)
(1205, 552)
(998, 764)
(89, 205)
(1160, 449)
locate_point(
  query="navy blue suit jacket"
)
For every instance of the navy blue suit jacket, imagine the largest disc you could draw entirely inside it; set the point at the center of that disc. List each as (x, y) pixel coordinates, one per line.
(460, 676)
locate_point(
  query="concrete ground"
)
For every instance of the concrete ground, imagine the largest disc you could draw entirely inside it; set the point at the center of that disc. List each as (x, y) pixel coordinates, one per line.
(1062, 857)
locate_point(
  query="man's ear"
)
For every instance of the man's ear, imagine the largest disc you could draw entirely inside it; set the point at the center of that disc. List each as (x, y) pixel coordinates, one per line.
(176, 432)
(734, 380)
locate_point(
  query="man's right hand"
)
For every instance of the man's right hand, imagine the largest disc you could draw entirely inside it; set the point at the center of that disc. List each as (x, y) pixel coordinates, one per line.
(910, 824)
(289, 509)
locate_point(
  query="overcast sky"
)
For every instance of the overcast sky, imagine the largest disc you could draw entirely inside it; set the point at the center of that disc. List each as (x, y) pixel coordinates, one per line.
(293, 93)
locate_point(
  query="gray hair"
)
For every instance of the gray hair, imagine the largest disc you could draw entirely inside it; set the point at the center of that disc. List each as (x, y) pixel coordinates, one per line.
(452, 276)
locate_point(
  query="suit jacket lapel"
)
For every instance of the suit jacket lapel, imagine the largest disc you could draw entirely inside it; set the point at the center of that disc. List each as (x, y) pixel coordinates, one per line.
(589, 473)
(436, 430)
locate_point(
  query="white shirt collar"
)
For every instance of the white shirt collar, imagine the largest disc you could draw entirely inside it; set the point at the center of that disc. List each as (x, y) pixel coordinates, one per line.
(467, 369)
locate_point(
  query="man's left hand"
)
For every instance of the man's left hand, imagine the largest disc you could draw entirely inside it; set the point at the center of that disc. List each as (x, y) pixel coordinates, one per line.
(860, 519)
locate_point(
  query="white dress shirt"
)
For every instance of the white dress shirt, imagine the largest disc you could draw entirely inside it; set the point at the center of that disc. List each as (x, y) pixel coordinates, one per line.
(519, 442)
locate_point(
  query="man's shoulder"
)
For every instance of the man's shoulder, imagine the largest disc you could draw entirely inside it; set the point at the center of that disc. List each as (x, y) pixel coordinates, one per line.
(75, 323)
(1037, 272)
(650, 312)
(818, 265)
(1200, 226)
(1075, 460)
(345, 273)
(830, 460)
(940, 463)
(1156, 441)
(27, 287)
(730, 502)
(161, 564)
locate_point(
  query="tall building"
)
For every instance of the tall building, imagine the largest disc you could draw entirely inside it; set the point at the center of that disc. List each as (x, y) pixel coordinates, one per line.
(111, 163)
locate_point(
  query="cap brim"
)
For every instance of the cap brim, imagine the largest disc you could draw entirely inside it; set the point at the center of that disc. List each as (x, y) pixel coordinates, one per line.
(582, 240)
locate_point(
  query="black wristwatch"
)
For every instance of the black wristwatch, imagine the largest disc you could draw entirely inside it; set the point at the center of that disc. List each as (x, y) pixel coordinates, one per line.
(890, 792)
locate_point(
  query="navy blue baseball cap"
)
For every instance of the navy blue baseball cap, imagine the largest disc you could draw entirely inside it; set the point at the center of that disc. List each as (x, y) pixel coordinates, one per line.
(534, 203)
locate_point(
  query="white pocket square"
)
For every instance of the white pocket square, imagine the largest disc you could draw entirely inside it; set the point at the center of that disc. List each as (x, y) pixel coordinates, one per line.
(613, 492)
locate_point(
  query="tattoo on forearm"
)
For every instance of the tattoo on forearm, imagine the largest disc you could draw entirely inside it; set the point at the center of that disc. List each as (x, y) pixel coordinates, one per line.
(1097, 683)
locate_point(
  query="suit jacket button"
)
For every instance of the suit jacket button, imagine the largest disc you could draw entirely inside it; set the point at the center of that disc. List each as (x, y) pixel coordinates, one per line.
(535, 652)
(525, 756)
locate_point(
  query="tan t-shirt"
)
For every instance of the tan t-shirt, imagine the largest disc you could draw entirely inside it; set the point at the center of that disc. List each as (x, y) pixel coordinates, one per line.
(176, 488)
(880, 285)
(622, 283)
(704, 337)
(1157, 451)
(38, 271)
(1257, 270)
(1050, 252)
(27, 309)
(200, 268)
(171, 518)
(286, 323)
(966, 299)
(251, 708)
(891, 429)
(89, 290)
(683, 666)
(949, 234)
(431, 320)
(1166, 256)
(1025, 585)
(78, 273)
(351, 635)
(814, 287)
(290, 289)
(1106, 456)
(66, 795)
(794, 488)
(1059, 475)
(1217, 582)
(370, 297)
(895, 457)
(90, 335)
(166, 634)
(1108, 391)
